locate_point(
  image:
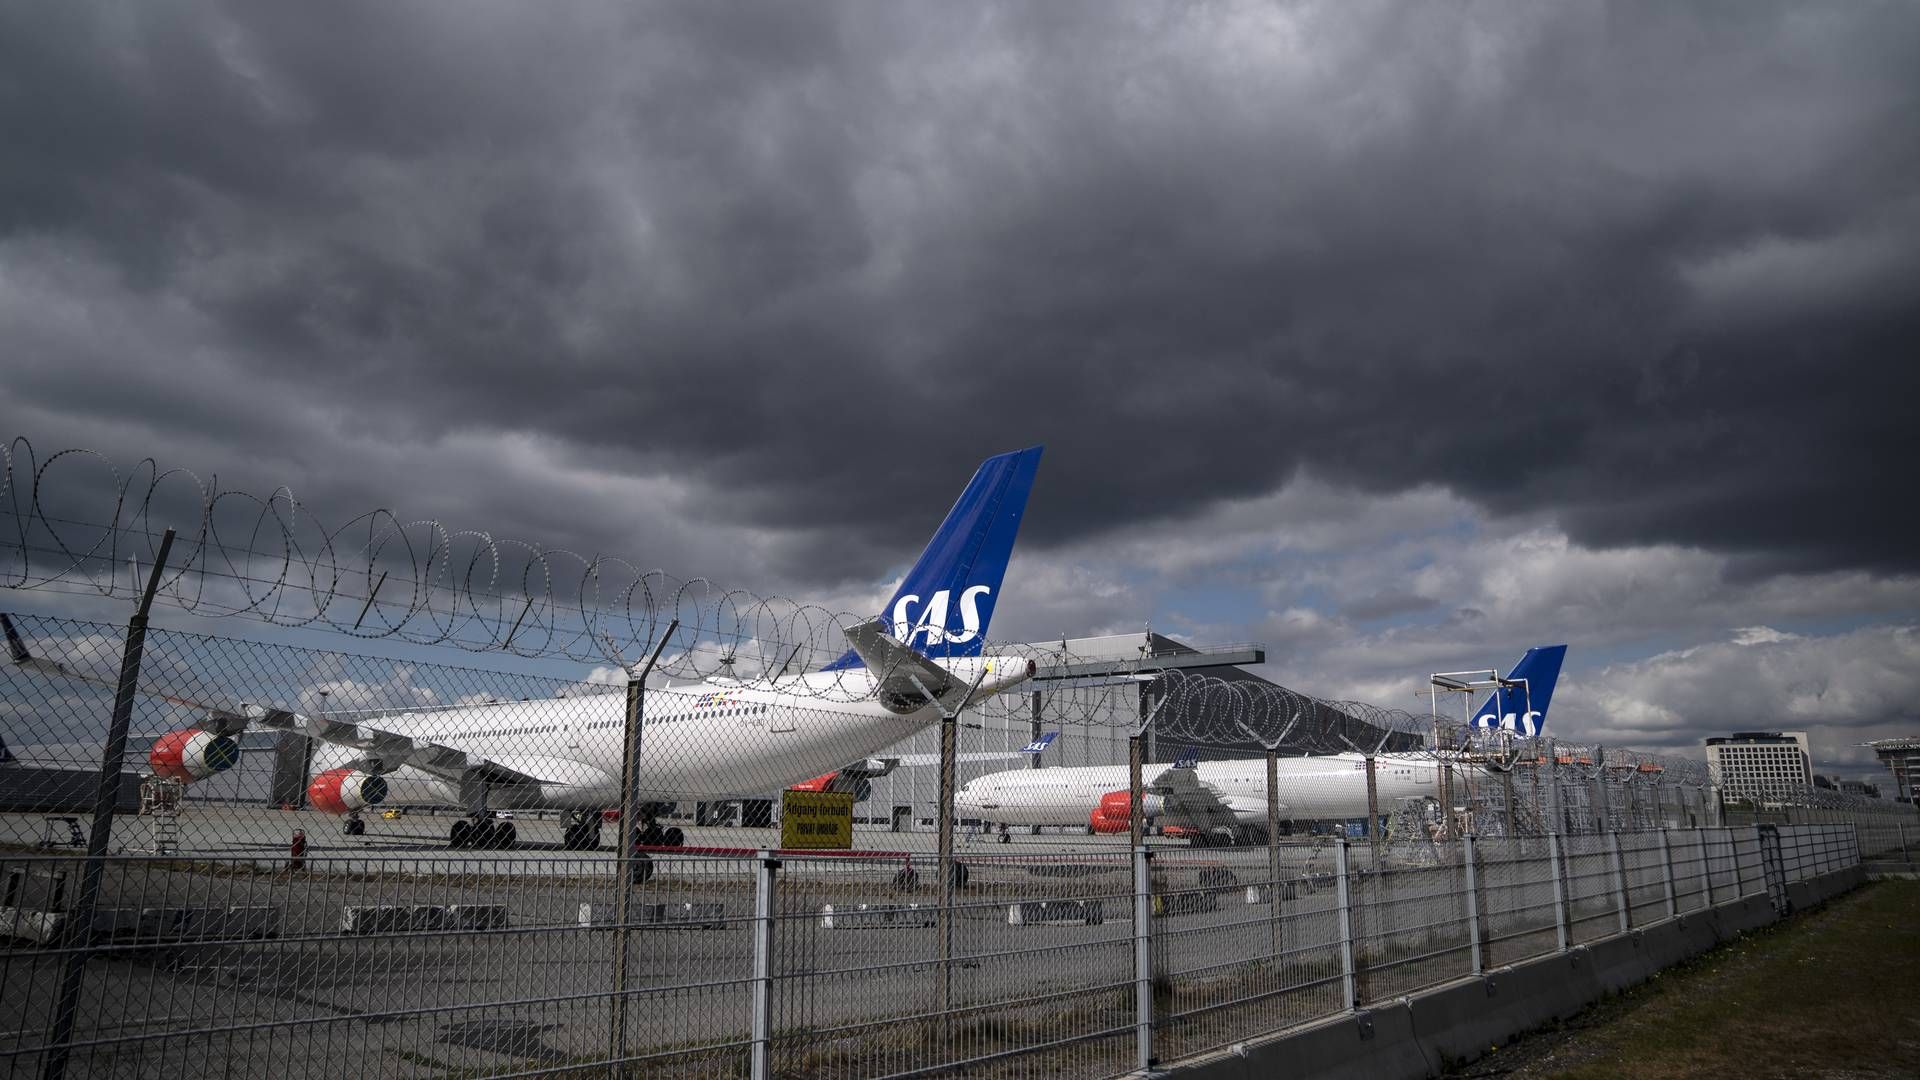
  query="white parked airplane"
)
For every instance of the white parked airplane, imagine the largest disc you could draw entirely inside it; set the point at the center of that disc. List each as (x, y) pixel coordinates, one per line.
(713, 741)
(1212, 798)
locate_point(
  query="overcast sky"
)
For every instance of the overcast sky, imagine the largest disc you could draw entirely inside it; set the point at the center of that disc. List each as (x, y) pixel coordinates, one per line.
(1400, 337)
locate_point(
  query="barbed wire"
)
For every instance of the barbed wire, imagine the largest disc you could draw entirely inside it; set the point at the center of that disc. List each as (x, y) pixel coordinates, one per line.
(73, 521)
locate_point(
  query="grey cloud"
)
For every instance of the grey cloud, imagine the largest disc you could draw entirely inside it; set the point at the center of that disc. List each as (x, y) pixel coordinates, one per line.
(1845, 689)
(813, 262)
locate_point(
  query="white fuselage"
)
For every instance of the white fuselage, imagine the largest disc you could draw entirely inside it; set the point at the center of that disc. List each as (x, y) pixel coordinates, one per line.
(706, 741)
(1333, 787)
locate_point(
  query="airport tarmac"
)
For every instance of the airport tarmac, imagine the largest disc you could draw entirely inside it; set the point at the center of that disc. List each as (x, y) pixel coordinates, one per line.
(392, 955)
(237, 829)
(536, 991)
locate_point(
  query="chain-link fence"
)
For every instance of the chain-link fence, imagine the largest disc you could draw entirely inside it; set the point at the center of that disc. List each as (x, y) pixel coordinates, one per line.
(311, 861)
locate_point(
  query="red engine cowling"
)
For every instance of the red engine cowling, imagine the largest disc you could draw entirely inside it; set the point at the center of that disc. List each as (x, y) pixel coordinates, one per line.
(192, 754)
(859, 786)
(1115, 812)
(342, 791)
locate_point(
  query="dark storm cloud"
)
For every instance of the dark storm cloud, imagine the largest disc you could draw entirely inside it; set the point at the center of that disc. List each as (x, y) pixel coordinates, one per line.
(1649, 268)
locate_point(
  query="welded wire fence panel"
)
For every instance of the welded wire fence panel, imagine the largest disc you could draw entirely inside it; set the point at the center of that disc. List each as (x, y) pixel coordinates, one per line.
(1884, 835)
(1518, 914)
(1036, 978)
(1746, 861)
(1592, 902)
(386, 967)
(1410, 925)
(1239, 952)
(1691, 850)
(1811, 850)
(1646, 877)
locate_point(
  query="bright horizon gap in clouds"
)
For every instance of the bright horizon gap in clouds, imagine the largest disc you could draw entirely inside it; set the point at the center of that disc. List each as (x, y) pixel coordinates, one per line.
(1399, 336)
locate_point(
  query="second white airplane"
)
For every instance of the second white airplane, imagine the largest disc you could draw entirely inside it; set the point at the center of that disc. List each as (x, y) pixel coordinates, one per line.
(1230, 798)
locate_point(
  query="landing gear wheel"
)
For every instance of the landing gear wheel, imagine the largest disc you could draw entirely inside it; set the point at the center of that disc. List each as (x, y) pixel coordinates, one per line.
(642, 870)
(581, 836)
(907, 878)
(1218, 877)
(960, 875)
(353, 826)
(461, 834)
(673, 837)
(504, 835)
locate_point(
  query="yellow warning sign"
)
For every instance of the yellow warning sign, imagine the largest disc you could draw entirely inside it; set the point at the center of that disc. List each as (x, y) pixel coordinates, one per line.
(816, 819)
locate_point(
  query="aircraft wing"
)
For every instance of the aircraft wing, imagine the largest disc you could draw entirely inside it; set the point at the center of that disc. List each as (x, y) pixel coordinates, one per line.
(934, 759)
(1190, 802)
(903, 679)
(382, 750)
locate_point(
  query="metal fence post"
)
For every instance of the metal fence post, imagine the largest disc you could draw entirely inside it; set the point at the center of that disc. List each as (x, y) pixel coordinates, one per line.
(1373, 809)
(625, 863)
(949, 732)
(1666, 866)
(1275, 935)
(1602, 801)
(1559, 889)
(1509, 818)
(763, 886)
(106, 800)
(1556, 821)
(1620, 878)
(1343, 896)
(1143, 957)
(1473, 904)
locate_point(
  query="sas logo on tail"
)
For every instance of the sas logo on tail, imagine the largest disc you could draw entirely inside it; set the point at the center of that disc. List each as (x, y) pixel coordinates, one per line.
(1040, 744)
(1525, 725)
(932, 619)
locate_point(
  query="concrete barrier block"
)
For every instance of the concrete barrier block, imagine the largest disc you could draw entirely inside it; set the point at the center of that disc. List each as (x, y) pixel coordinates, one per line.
(116, 921)
(1185, 903)
(160, 923)
(251, 921)
(877, 916)
(1057, 913)
(1259, 894)
(706, 916)
(478, 916)
(709, 916)
(428, 917)
(32, 925)
(376, 919)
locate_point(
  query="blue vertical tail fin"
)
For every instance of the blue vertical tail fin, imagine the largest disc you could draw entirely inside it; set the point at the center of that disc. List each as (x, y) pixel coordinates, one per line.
(946, 602)
(1523, 709)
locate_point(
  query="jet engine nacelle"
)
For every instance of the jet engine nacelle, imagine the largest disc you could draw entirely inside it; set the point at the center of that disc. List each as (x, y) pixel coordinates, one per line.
(856, 779)
(192, 754)
(342, 791)
(1114, 814)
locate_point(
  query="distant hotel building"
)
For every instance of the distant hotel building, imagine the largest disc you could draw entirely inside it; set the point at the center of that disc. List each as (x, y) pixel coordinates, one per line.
(1902, 758)
(1760, 765)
